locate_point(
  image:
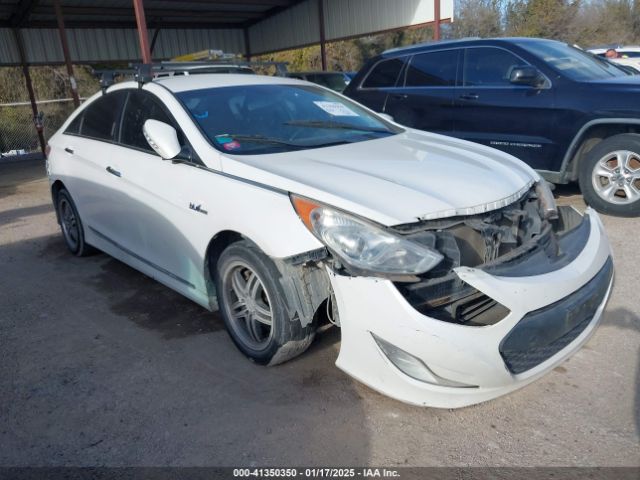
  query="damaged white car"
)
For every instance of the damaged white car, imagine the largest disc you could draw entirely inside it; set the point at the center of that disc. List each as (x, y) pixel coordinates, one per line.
(451, 272)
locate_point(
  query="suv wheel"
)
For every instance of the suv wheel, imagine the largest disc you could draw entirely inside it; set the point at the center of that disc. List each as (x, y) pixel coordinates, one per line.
(253, 306)
(610, 176)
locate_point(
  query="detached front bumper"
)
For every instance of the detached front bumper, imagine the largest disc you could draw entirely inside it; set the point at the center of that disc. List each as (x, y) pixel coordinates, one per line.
(550, 317)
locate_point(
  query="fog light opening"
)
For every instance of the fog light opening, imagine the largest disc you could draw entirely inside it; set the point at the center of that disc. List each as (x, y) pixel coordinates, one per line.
(413, 366)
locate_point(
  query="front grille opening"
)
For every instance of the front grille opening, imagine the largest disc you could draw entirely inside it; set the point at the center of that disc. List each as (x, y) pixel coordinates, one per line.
(454, 301)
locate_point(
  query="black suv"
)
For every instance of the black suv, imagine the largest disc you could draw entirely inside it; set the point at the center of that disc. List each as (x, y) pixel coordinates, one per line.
(568, 114)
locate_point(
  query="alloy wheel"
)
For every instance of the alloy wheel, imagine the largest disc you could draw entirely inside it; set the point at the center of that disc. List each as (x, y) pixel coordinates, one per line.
(248, 305)
(616, 177)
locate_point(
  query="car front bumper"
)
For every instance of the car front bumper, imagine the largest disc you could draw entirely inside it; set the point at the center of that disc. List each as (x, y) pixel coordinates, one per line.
(489, 359)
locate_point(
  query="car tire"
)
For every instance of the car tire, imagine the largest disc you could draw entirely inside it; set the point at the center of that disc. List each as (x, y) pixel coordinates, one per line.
(254, 307)
(609, 176)
(71, 225)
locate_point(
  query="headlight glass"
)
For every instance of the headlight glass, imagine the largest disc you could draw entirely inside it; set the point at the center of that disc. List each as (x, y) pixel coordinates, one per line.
(364, 245)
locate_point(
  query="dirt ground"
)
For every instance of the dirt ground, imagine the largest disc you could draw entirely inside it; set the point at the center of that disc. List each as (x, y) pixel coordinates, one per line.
(101, 366)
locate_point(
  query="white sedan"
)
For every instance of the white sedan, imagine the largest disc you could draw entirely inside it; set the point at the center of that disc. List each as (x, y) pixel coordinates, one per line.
(453, 275)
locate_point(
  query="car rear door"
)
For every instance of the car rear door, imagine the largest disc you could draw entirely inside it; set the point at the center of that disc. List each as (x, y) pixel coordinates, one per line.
(425, 97)
(88, 147)
(490, 110)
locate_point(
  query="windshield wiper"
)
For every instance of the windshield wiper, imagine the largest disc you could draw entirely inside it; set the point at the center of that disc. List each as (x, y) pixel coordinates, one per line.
(263, 139)
(336, 125)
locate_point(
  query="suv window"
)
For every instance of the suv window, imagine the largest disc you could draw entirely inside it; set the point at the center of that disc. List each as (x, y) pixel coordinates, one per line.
(488, 66)
(140, 107)
(433, 69)
(101, 118)
(384, 74)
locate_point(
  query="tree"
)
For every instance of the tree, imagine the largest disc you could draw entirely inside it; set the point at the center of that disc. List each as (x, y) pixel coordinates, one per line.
(478, 18)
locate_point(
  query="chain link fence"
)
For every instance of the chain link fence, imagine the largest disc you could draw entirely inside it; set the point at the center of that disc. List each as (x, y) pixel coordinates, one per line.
(18, 134)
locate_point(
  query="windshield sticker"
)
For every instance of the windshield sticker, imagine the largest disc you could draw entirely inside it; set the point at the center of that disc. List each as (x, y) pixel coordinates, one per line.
(232, 145)
(222, 139)
(336, 109)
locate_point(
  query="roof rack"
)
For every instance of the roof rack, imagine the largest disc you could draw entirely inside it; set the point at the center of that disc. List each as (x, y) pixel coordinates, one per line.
(145, 73)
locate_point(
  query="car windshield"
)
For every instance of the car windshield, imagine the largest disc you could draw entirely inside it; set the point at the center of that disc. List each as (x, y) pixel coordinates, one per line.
(260, 119)
(573, 62)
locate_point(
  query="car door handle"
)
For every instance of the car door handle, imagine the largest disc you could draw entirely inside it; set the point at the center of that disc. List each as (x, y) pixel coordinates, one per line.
(399, 96)
(113, 171)
(469, 96)
(69, 150)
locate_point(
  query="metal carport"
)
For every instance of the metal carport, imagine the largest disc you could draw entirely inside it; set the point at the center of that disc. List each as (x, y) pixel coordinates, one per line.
(49, 32)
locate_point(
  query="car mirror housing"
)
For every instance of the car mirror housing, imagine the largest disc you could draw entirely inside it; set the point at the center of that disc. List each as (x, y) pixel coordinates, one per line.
(163, 138)
(526, 75)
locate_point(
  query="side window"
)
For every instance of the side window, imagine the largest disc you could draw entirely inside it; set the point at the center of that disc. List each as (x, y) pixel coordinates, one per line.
(140, 107)
(101, 118)
(384, 74)
(74, 126)
(488, 66)
(433, 69)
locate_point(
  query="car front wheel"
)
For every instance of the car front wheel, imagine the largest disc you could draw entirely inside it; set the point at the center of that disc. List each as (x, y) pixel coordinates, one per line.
(253, 306)
(610, 176)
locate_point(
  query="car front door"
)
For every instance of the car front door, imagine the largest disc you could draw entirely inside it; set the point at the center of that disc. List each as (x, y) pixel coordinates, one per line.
(155, 214)
(489, 109)
(424, 99)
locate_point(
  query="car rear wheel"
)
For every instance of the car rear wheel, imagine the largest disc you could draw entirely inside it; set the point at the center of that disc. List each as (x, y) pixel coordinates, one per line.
(253, 306)
(610, 176)
(71, 225)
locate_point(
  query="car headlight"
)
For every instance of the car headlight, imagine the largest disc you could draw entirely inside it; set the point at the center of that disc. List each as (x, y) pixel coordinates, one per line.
(362, 244)
(547, 200)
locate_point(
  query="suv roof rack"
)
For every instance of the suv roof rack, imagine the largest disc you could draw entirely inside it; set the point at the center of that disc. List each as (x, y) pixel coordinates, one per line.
(430, 43)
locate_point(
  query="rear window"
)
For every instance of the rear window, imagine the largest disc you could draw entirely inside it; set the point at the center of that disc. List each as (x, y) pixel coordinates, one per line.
(433, 69)
(384, 74)
(102, 117)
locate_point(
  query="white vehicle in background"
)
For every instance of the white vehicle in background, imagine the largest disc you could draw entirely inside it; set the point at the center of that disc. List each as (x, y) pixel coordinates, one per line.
(453, 275)
(628, 55)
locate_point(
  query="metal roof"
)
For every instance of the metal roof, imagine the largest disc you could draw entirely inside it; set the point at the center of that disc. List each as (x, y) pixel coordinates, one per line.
(105, 30)
(190, 14)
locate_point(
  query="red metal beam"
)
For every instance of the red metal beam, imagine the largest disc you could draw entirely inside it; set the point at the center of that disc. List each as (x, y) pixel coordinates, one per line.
(65, 52)
(37, 118)
(143, 34)
(436, 19)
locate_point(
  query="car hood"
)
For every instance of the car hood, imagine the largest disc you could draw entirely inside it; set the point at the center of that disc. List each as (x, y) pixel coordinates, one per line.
(394, 180)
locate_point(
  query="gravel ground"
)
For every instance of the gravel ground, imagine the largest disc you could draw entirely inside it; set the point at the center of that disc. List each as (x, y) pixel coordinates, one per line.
(99, 365)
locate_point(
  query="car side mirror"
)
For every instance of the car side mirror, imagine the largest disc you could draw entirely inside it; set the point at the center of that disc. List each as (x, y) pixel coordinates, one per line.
(386, 116)
(163, 138)
(526, 75)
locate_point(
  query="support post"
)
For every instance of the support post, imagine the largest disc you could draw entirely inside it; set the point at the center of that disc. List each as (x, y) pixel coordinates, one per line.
(436, 20)
(323, 46)
(247, 45)
(65, 52)
(37, 118)
(143, 34)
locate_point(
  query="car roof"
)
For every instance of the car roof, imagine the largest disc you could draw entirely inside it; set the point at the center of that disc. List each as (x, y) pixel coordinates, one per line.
(465, 42)
(216, 80)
